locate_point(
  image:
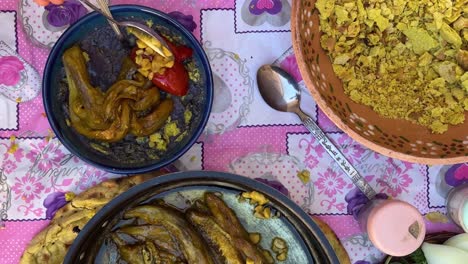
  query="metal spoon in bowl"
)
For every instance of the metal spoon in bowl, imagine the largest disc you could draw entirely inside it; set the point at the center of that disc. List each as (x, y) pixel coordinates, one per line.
(281, 92)
(141, 31)
(104, 5)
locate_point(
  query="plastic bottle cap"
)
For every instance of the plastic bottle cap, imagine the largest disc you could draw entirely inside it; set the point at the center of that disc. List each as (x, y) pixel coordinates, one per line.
(396, 228)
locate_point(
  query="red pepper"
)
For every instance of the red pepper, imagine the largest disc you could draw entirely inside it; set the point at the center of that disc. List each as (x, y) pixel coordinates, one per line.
(133, 53)
(181, 53)
(174, 80)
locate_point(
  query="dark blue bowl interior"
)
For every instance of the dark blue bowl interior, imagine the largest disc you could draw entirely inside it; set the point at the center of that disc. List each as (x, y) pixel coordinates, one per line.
(77, 144)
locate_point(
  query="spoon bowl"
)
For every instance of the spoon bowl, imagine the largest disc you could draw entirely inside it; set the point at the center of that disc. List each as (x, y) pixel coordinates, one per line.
(278, 89)
(281, 92)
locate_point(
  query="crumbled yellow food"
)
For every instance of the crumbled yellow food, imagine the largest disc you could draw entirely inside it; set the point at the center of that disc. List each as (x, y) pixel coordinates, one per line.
(149, 61)
(280, 248)
(282, 256)
(187, 116)
(262, 212)
(13, 148)
(256, 197)
(171, 129)
(405, 59)
(259, 200)
(69, 196)
(255, 238)
(304, 176)
(156, 140)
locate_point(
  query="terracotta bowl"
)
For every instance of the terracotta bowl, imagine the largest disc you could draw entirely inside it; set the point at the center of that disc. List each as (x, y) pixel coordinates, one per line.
(396, 138)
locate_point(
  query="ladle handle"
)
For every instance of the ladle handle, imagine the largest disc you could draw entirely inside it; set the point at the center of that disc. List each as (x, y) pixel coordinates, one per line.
(336, 154)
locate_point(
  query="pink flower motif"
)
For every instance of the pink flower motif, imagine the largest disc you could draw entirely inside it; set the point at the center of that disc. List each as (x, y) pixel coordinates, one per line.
(290, 65)
(9, 166)
(395, 181)
(311, 161)
(350, 148)
(330, 183)
(18, 155)
(48, 154)
(27, 188)
(10, 67)
(340, 207)
(311, 147)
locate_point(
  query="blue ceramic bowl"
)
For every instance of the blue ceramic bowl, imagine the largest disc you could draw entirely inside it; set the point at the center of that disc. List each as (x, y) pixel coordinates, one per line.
(53, 83)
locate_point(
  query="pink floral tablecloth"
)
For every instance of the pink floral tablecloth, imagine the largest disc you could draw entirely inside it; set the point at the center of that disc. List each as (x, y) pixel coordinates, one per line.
(243, 136)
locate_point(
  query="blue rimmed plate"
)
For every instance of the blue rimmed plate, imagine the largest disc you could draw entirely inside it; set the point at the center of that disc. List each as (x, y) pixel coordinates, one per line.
(306, 242)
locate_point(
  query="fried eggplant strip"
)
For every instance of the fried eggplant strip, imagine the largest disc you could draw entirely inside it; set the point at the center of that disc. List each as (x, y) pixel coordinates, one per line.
(85, 101)
(216, 236)
(155, 233)
(225, 216)
(147, 98)
(147, 125)
(117, 131)
(190, 242)
(227, 219)
(249, 250)
(110, 116)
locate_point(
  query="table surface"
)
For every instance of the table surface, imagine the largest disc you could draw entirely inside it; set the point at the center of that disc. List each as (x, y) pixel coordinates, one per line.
(243, 136)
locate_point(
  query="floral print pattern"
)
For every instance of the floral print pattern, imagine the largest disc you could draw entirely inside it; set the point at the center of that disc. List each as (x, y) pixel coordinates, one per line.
(457, 174)
(10, 68)
(258, 7)
(313, 152)
(55, 201)
(46, 153)
(27, 188)
(255, 13)
(357, 200)
(352, 150)
(396, 180)
(185, 20)
(91, 177)
(9, 166)
(64, 14)
(330, 183)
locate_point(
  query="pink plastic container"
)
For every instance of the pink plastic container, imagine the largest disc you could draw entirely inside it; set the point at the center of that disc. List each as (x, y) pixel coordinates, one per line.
(393, 226)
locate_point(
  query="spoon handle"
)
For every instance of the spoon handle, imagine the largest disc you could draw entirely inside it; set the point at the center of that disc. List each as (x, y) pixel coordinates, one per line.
(95, 8)
(104, 4)
(336, 154)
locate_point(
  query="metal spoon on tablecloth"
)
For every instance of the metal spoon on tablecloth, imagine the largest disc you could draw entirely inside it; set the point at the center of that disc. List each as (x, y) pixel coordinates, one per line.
(281, 92)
